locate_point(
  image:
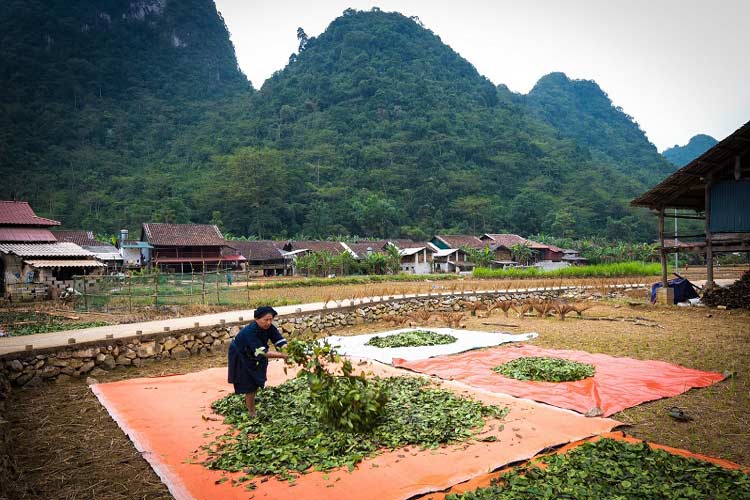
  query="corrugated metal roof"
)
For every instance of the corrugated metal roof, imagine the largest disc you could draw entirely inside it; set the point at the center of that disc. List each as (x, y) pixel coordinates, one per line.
(82, 238)
(64, 263)
(20, 213)
(194, 235)
(64, 249)
(25, 234)
(135, 244)
(444, 252)
(104, 252)
(405, 252)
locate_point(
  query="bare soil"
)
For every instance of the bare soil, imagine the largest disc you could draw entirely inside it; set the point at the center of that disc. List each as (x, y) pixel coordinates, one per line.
(68, 447)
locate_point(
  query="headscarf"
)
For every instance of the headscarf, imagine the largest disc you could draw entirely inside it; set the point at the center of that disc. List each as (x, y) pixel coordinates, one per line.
(263, 310)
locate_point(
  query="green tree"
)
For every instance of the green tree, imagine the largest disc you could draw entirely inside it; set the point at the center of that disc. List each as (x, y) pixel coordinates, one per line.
(482, 258)
(522, 253)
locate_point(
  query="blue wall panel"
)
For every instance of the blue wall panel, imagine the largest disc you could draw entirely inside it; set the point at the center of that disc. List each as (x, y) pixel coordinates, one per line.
(730, 207)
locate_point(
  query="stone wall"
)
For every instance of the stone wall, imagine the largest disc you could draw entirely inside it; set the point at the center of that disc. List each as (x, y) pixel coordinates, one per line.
(7, 469)
(30, 368)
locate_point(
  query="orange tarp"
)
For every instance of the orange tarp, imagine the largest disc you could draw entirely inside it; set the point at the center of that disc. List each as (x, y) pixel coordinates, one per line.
(486, 480)
(170, 418)
(618, 383)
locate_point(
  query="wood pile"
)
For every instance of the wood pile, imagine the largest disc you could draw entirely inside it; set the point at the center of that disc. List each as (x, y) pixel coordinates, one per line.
(735, 296)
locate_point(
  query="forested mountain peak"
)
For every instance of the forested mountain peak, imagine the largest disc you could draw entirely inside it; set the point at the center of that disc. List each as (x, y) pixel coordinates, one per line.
(581, 110)
(385, 58)
(682, 155)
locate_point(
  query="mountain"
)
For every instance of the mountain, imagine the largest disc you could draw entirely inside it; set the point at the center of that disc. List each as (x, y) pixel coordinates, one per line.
(105, 106)
(137, 112)
(682, 155)
(582, 111)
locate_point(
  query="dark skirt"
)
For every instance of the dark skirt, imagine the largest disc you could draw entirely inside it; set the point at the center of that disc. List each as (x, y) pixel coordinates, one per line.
(246, 373)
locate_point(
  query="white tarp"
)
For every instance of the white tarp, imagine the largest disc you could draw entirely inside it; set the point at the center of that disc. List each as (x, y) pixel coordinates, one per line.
(466, 340)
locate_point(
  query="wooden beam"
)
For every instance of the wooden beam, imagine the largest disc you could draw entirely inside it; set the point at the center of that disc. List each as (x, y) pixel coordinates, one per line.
(709, 249)
(682, 216)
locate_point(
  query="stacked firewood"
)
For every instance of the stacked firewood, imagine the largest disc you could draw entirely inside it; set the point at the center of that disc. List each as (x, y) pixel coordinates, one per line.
(735, 296)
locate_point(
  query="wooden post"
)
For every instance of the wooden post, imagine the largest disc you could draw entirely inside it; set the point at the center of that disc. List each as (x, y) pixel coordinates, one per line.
(247, 283)
(130, 292)
(662, 251)
(203, 285)
(709, 243)
(156, 287)
(85, 295)
(218, 296)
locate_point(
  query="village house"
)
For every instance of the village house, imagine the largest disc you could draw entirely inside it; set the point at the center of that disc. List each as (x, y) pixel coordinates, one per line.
(415, 257)
(263, 257)
(450, 260)
(502, 257)
(504, 242)
(33, 264)
(360, 249)
(104, 252)
(135, 253)
(573, 257)
(186, 248)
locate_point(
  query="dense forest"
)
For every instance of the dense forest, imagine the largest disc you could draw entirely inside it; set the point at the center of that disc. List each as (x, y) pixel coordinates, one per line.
(113, 114)
(682, 155)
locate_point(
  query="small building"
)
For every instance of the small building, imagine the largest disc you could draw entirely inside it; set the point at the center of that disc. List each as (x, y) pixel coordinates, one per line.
(713, 188)
(450, 260)
(505, 241)
(186, 248)
(573, 257)
(33, 264)
(104, 252)
(416, 257)
(263, 257)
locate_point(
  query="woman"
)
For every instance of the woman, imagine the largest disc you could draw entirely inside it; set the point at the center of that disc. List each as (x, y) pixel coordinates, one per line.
(248, 355)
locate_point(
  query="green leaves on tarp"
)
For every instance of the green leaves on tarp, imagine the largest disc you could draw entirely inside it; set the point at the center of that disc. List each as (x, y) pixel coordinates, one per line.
(619, 471)
(350, 402)
(412, 338)
(545, 369)
(288, 435)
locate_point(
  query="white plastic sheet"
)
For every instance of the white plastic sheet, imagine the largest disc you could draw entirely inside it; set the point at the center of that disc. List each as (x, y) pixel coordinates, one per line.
(466, 340)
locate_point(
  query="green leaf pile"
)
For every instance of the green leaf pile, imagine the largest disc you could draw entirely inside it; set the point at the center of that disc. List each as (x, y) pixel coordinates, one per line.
(619, 471)
(288, 436)
(351, 402)
(545, 369)
(412, 338)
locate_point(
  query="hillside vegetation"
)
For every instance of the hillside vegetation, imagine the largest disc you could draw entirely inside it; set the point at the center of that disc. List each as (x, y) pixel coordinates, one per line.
(112, 115)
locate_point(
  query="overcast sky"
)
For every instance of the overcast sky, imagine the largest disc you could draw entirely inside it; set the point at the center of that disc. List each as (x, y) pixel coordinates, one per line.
(679, 67)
